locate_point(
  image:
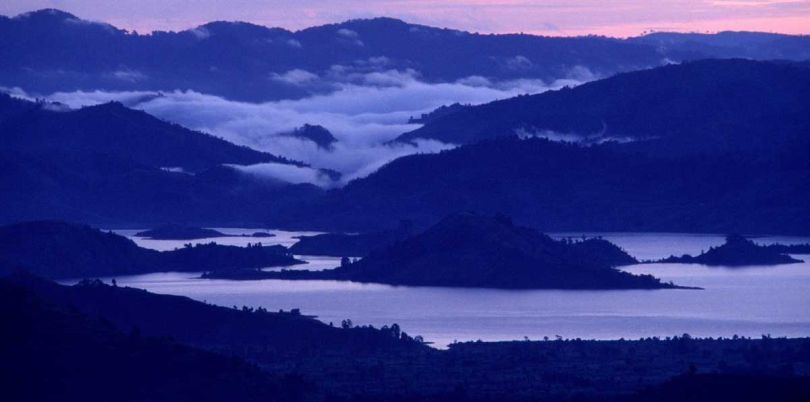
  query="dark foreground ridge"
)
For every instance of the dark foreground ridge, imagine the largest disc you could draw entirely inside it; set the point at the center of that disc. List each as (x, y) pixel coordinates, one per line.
(469, 250)
(51, 353)
(739, 251)
(66, 250)
(107, 340)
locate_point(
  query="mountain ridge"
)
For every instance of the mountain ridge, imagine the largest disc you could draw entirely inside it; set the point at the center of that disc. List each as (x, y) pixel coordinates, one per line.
(723, 101)
(47, 55)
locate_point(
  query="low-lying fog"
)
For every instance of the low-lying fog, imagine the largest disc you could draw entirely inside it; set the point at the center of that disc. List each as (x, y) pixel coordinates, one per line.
(363, 112)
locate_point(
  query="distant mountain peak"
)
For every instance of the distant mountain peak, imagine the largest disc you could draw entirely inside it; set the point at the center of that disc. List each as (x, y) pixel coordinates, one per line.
(48, 13)
(238, 29)
(315, 133)
(53, 19)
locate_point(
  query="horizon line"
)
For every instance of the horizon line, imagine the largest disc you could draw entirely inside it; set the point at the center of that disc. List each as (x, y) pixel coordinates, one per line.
(643, 33)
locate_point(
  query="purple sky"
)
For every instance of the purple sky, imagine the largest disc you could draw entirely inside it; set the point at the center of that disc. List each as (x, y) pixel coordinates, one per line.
(551, 17)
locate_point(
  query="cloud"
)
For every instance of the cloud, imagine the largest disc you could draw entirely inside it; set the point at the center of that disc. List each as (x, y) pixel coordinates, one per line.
(579, 138)
(287, 173)
(200, 33)
(365, 109)
(390, 78)
(519, 63)
(128, 75)
(295, 77)
(347, 33)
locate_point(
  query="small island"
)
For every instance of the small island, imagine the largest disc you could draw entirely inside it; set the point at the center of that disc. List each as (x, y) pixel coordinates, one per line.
(469, 250)
(179, 232)
(737, 251)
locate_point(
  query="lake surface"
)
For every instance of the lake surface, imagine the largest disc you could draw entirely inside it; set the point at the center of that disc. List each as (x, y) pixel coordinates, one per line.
(747, 301)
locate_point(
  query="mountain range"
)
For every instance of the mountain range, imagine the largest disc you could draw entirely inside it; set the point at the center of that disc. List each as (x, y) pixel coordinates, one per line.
(699, 106)
(562, 187)
(50, 50)
(108, 163)
(702, 146)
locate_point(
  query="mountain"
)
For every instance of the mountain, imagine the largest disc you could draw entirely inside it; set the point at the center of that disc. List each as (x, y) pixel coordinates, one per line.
(50, 50)
(730, 44)
(113, 165)
(696, 107)
(65, 250)
(315, 133)
(114, 130)
(565, 187)
(469, 250)
(737, 251)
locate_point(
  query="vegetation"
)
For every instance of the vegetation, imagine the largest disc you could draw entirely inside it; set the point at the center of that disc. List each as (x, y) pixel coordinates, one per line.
(244, 54)
(114, 165)
(694, 107)
(52, 352)
(559, 187)
(737, 251)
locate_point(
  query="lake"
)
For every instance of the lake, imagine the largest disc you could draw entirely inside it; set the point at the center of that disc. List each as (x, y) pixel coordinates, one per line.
(748, 301)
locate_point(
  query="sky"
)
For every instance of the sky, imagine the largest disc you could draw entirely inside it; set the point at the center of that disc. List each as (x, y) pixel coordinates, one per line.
(619, 18)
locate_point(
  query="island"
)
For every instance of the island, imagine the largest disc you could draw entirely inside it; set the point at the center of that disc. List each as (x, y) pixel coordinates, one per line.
(179, 232)
(471, 250)
(350, 244)
(738, 251)
(790, 248)
(61, 250)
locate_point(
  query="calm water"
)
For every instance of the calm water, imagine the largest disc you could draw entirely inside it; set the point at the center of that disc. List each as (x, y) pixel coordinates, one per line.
(745, 301)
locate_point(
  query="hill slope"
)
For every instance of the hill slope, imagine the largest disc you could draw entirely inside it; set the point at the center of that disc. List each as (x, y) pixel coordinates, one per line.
(51, 352)
(114, 130)
(697, 107)
(558, 187)
(113, 165)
